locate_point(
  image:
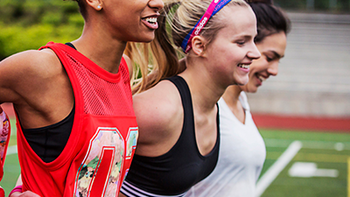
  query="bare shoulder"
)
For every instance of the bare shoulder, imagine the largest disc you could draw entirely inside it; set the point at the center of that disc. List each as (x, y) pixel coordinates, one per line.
(30, 62)
(28, 67)
(158, 110)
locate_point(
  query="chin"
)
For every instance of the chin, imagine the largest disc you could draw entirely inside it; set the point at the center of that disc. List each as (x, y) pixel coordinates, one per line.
(143, 40)
(242, 82)
(250, 89)
(253, 90)
(147, 38)
(239, 83)
(148, 41)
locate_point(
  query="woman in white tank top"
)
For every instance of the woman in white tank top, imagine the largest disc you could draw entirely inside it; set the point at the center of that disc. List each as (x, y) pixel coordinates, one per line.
(242, 149)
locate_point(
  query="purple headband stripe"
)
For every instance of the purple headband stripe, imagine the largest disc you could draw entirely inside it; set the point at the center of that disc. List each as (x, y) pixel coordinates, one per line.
(214, 7)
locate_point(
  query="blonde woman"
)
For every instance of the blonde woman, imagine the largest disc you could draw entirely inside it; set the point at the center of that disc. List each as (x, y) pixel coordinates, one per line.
(242, 149)
(178, 117)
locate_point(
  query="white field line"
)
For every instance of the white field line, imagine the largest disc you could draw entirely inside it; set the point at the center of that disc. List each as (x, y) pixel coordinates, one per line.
(270, 175)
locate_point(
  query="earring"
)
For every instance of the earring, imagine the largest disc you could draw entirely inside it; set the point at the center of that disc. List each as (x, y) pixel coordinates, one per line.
(99, 7)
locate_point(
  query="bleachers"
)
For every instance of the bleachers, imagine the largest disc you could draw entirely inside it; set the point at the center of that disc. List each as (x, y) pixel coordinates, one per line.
(314, 75)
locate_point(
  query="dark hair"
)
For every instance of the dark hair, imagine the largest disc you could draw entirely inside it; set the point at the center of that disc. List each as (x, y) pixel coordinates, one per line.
(82, 8)
(269, 2)
(270, 19)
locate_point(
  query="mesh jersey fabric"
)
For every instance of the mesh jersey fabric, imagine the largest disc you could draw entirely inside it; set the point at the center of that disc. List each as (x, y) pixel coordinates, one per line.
(102, 142)
(241, 157)
(174, 172)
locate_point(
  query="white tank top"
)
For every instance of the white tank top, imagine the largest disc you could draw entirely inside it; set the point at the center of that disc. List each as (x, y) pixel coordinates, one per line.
(241, 157)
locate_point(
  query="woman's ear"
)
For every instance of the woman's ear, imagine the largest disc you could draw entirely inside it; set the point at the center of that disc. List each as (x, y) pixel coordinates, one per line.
(95, 4)
(198, 45)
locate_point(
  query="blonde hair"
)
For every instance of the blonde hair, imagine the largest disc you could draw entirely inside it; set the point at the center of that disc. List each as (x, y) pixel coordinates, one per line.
(160, 58)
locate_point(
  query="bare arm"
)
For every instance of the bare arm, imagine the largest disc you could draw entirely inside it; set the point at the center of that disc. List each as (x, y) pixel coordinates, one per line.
(159, 116)
(36, 83)
(12, 70)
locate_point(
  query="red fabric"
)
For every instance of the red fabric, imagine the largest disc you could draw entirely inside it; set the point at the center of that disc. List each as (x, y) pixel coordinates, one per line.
(5, 133)
(2, 192)
(103, 138)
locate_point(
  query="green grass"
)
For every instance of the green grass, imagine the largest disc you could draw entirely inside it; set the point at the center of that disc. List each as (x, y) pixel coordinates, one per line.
(12, 171)
(318, 147)
(11, 167)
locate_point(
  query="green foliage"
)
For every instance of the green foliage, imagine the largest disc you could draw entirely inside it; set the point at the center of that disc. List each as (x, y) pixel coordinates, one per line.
(29, 24)
(15, 38)
(29, 12)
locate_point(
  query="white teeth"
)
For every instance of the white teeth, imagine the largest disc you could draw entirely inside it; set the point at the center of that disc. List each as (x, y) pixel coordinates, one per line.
(151, 20)
(262, 78)
(245, 66)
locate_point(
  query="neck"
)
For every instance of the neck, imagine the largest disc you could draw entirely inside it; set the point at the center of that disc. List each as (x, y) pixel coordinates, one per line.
(205, 92)
(231, 95)
(100, 48)
(231, 98)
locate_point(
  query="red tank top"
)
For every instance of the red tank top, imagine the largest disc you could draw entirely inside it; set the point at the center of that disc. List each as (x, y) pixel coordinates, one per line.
(102, 142)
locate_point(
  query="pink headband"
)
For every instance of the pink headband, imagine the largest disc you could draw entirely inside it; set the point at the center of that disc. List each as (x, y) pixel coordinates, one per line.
(213, 8)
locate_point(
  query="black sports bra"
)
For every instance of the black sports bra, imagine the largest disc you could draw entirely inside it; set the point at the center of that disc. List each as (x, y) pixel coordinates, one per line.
(179, 169)
(48, 142)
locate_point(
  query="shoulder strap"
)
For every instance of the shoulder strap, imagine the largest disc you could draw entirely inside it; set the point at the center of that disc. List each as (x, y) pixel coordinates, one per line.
(59, 49)
(185, 94)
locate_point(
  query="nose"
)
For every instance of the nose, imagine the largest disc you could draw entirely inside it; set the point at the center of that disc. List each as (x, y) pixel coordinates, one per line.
(158, 4)
(273, 68)
(254, 53)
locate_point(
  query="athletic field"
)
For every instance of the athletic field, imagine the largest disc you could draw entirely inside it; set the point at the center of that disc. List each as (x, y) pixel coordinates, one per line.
(298, 163)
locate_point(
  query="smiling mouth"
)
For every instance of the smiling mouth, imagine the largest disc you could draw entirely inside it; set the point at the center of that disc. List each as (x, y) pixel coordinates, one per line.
(261, 78)
(245, 66)
(151, 20)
